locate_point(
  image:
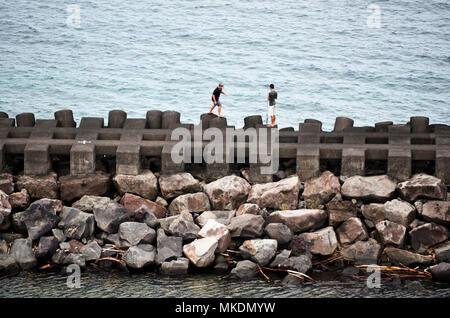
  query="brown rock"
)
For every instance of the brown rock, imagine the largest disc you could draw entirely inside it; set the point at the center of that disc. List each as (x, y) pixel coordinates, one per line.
(133, 202)
(39, 187)
(373, 212)
(340, 210)
(422, 186)
(407, 258)
(376, 188)
(322, 189)
(391, 233)
(322, 242)
(427, 235)
(400, 212)
(276, 195)
(144, 185)
(437, 211)
(248, 208)
(299, 220)
(227, 193)
(363, 252)
(6, 183)
(178, 184)
(218, 231)
(351, 231)
(191, 202)
(75, 187)
(19, 200)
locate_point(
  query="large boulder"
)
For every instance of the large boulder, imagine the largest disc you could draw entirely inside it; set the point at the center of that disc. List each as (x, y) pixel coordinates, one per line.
(54, 205)
(75, 187)
(19, 200)
(88, 202)
(178, 184)
(340, 210)
(109, 216)
(219, 231)
(244, 270)
(321, 189)
(22, 252)
(191, 202)
(133, 202)
(427, 235)
(279, 232)
(91, 251)
(39, 187)
(8, 265)
(363, 252)
(441, 272)
(437, 211)
(402, 257)
(201, 251)
(178, 266)
(391, 233)
(76, 224)
(323, 241)
(302, 263)
(144, 185)
(260, 251)
(423, 186)
(145, 215)
(248, 208)
(374, 212)
(6, 183)
(227, 193)
(223, 217)
(276, 195)
(376, 188)
(47, 247)
(40, 218)
(443, 253)
(184, 227)
(135, 233)
(400, 212)
(351, 231)
(168, 247)
(140, 256)
(246, 226)
(299, 220)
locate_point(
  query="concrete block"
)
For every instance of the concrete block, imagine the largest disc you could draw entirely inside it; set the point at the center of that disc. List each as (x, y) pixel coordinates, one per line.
(442, 168)
(399, 164)
(82, 159)
(128, 159)
(308, 162)
(353, 160)
(36, 158)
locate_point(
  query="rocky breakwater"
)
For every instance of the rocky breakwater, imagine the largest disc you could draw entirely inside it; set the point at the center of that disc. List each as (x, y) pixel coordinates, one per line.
(177, 225)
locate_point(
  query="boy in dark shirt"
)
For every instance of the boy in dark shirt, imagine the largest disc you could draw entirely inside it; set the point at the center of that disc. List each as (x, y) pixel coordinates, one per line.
(273, 95)
(215, 98)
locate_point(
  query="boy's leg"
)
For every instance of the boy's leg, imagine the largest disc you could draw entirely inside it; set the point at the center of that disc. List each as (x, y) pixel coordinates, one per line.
(220, 109)
(212, 108)
(273, 120)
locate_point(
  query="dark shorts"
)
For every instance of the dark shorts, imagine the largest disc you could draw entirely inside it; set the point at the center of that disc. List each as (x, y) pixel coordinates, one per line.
(218, 103)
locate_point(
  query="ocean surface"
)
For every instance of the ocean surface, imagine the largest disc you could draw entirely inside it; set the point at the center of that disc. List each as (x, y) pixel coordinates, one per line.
(371, 61)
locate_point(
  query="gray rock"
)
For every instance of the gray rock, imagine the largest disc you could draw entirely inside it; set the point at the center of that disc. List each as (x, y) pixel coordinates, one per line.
(178, 266)
(423, 186)
(244, 270)
(223, 217)
(299, 220)
(280, 232)
(437, 211)
(376, 188)
(260, 251)
(246, 226)
(302, 263)
(323, 242)
(351, 231)
(47, 246)
(169, 247)
(6, 183)
(291, 281)
(201, 251)
(75, 258)
(18, 222)
(178, 184)
(220, 264)
(427, 235)
(219, 231)
(280, 258)
(135, 233)
(184, 227)
(22, 252)
(144, 214)
(441, 272)
(109, 216)
(59, 234)
(322, 189)
(140, 256)
(282, 194)
(8, 265)
(373, 212)
(91, 251)
(363, 252)
(144, 184)
(76, 224)
(59, 256)
(3, 247)
(248, 208)
(400, 212)
(88, 202)
(227, 193)
(407, 258)
(191, 202)
(391, 233)
(443, 253)
(39, 219)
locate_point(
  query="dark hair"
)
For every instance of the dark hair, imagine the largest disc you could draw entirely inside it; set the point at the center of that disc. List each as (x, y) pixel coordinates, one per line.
(272, 86)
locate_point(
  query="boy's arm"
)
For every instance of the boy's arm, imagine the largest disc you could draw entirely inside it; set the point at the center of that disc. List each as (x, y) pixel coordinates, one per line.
(223, 93)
